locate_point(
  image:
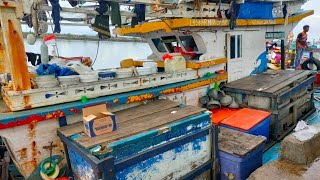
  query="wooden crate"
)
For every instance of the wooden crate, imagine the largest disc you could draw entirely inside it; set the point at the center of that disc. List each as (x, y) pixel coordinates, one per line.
(288, 95)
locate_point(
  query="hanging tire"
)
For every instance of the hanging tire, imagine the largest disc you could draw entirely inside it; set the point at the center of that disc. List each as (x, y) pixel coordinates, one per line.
(310, 62)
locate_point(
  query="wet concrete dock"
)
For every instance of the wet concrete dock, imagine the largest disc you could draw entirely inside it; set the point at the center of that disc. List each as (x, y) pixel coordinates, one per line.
(286, 170)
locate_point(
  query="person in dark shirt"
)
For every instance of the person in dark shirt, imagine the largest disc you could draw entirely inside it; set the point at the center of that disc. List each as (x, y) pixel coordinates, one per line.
(301, 44)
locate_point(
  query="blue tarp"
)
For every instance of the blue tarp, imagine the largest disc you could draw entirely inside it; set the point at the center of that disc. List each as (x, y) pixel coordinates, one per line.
(256, 10)
(54, 69)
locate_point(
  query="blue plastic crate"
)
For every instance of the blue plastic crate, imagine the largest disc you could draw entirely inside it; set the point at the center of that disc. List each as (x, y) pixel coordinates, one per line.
(240, 168)
(261, 129)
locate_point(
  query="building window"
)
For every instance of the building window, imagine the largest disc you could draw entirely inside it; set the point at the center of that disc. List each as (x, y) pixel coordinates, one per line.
(235, 46)
(232, 47)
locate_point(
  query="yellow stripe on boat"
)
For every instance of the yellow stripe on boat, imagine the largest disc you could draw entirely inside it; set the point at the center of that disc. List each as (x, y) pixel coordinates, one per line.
(190, 64)
(170, 24)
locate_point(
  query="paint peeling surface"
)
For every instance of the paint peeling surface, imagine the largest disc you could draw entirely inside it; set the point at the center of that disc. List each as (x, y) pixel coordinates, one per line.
(27, 146)
(195, 85)
(31, 119)
(154, 154)
(172, 164)
(139, 98)
(81, 169)
(135, 144)
(13, 119)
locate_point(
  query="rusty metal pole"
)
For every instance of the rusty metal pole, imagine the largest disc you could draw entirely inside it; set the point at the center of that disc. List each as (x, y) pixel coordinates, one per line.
(14, 51)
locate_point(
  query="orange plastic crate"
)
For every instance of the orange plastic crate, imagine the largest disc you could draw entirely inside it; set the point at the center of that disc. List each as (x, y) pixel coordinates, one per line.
(220, 114)
(245, 119)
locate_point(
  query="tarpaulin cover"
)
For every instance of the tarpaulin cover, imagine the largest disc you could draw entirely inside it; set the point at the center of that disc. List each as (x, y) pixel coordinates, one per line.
(54, 69)
(256, 10)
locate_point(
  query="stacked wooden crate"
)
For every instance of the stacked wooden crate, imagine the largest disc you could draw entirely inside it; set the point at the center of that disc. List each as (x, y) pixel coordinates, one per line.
(288, 95)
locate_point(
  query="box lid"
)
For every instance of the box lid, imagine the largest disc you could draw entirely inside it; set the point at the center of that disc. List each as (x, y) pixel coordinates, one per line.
(94, 109)
(220, 114)
(245, 119)
(89, 117)
(238, 143)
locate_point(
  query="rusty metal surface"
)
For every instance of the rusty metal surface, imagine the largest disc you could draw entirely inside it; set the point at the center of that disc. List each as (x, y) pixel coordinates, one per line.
(4, 68)
(27, 147)
(14, 51)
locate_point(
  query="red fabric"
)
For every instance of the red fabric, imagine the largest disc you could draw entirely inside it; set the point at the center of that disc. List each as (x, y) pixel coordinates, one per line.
(62, 178)
(167, 56)
(48, 38)
(179, 50)
(219, 13)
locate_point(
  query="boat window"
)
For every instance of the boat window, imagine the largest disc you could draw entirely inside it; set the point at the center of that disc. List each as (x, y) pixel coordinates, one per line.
(188, 43)
(157, 42)
(239, 41)
(235, 46)
(232, 47)
(171, 42)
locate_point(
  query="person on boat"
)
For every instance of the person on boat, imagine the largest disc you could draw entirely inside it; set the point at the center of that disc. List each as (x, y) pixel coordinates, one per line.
(301, 44)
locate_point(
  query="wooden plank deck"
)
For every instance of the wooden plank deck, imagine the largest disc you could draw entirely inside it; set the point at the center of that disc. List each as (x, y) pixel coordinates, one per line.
(269, 82)
(146, 117)
(238, 143)
(143, 110)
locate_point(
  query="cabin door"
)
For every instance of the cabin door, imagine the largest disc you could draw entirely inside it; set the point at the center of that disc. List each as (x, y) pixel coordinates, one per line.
(234, 56)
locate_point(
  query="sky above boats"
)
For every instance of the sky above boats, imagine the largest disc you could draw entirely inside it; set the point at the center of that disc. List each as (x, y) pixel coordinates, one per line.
(313, 21)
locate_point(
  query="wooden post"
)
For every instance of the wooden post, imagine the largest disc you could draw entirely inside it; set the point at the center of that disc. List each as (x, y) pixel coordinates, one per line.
(4, 68)
(14, 54)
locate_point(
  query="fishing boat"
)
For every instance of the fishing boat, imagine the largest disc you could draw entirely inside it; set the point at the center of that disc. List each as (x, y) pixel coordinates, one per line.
(215, 40)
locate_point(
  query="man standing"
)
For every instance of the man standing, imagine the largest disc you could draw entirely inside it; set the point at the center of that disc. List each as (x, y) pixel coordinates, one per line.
(301, 44)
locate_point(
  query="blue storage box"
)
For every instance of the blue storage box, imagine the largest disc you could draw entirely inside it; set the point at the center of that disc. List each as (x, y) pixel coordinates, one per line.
(250, 121)
(240, 154)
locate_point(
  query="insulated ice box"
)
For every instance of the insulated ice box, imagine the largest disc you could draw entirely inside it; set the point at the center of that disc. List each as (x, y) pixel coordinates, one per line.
(158, 140)
(250, 121)
(239, 154)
